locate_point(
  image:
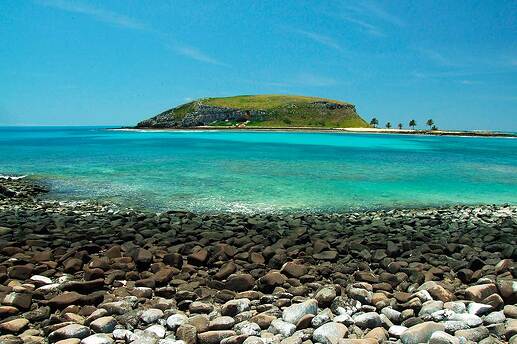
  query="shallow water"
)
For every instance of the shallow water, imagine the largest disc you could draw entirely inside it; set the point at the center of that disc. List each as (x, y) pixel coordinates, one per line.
(263, 171)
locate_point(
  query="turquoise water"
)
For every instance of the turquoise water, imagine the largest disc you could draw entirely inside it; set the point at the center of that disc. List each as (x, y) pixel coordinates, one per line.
(258, 171)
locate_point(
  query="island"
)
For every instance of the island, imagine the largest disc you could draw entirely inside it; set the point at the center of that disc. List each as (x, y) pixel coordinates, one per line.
(259, 111)
(276, 112)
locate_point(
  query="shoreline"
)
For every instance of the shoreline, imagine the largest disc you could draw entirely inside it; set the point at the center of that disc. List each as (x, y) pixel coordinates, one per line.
(328, 130)
(92, 273)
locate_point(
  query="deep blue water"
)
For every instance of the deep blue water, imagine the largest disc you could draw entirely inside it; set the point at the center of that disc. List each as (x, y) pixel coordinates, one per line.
(259, 171)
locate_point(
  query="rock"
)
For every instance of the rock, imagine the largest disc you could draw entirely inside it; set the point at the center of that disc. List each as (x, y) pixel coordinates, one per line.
(396, 330)
(325, 255)
(478, 308)
(103, 324)
(214, 337)
(293, 269)
(510, 311)
(122, 334)
(294, 313)
(223, 323)
(330, 333)
(508, 290)
(69, 331)
(479, 292)
(158, 330)
(494, 318)
(262, 319)
(247, 328)
(151, 315)
(18, 300)
(473, 334)
(198, 257)
(284, 328)
(14, 326)
(143, 337)
(368, 320)
(176, 320)
(99, 338)
(187, 333)
(234, 307)
(420, 333)
(200, 307)
(325, 296)
(240, 282)
(271, 280)
(441, 337)
(323, 317)
(20, 272)
(226, 270)
(64, 300)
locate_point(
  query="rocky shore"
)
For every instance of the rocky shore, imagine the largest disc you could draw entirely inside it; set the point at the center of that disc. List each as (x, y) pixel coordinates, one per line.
(93, 274)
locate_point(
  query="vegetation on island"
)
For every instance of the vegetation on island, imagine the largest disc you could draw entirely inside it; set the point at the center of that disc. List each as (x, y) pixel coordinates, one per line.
(260, 111)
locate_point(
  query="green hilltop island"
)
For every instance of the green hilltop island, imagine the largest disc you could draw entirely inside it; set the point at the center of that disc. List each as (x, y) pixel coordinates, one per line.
(256, 111)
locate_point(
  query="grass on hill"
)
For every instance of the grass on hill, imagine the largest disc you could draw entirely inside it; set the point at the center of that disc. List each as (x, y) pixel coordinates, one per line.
(263, 101)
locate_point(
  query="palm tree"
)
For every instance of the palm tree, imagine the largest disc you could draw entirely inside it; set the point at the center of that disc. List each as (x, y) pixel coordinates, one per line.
(388, 125)
(374, 122)
(412, 124)
(400, 126)
(430, 123)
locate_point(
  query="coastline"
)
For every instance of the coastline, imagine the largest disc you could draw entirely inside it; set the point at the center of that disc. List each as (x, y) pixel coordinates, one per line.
(329, 130)
(84, 271)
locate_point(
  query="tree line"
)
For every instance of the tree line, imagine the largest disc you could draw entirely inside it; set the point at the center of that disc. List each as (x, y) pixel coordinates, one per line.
(412, 124)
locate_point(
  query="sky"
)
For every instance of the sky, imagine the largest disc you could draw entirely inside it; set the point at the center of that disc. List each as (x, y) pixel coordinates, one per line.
(77, 62)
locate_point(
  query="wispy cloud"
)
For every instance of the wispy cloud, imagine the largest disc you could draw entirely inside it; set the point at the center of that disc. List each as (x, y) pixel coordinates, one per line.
(367, 16)
(436, 57)
(96, 13)
(320, 38)
(378, 11)
(126, 22)
(196, 54)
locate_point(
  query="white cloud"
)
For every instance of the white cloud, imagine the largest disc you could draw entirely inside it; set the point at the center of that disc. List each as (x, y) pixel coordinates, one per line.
(97, 13)
(123, 21)
(196, 54)
(321, 39)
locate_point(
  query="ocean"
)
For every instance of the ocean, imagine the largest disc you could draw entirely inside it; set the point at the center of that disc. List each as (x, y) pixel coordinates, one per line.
(255, 172)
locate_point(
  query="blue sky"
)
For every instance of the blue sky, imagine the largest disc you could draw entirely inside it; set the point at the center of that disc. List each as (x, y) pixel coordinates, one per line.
(116, 62)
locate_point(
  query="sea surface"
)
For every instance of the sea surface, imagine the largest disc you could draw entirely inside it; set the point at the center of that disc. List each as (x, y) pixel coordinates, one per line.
(262, 171)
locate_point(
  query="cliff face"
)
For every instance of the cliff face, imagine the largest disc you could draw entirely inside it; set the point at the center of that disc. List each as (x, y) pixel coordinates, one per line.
(201, 115)
(317, 112)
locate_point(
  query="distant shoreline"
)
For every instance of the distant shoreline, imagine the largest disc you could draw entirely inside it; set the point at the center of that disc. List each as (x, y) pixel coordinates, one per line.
(334, 130)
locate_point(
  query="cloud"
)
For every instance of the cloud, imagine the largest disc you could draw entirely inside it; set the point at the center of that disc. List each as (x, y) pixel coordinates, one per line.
(196, 54)
(436, 57)
(126, 22)
(321, 39)
(366, 27)
(377, 11)
(367, 16)
(97, 13)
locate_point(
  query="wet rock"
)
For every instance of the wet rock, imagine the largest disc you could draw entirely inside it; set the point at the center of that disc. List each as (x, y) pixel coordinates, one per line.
(70, 331)
(240, 282)
(330, 333)
(214, 337)
(103, 324)
(14, 326)
(294, 313)
(420, 333)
